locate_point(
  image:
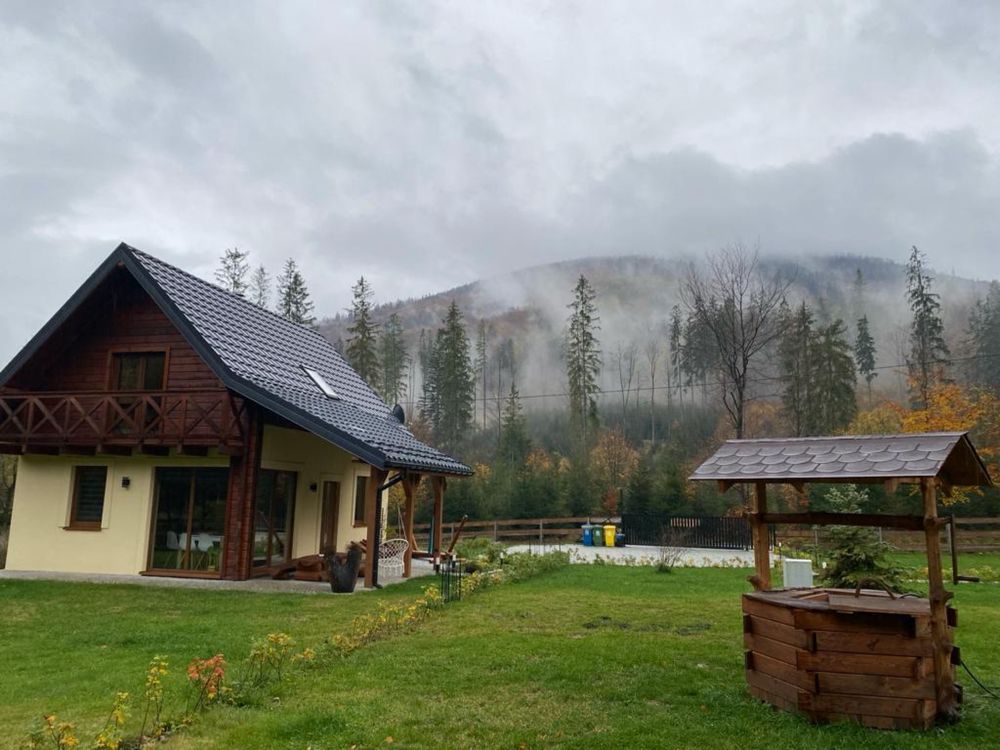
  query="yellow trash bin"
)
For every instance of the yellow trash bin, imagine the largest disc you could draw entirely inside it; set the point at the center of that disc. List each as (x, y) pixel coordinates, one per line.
(609, 535)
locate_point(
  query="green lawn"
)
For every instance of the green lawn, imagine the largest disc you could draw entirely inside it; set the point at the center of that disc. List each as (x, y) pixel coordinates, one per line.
(588, 657)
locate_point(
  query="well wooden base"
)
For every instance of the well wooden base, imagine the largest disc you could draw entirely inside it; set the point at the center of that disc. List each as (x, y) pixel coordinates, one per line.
(832, 656)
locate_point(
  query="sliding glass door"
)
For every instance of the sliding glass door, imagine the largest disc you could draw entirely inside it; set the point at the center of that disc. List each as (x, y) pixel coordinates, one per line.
(273, 518)
(189, 521)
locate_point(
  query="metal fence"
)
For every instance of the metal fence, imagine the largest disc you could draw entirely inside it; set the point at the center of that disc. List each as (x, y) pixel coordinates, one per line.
(710, 532)
(451, 572)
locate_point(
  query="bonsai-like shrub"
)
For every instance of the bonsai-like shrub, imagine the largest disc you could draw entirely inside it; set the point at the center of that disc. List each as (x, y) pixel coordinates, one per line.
(856, 553)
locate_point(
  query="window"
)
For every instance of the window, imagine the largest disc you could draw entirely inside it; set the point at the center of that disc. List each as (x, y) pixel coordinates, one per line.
(273, 517)
(189, 521)
(360, 485)
(89, 483)
(320, 382)
(138, 371)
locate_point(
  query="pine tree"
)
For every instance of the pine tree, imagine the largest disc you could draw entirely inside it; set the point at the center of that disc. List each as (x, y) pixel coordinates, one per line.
(293, 297)
(796, 359)
(455, 381)
(676, 368)
(583, 359)
(362, 341)
(482, 360)
(515, 444)
(232, 271)
(260, 287)
(984, 340)
(833, 380)
(395, 361)
(864, 354)
(929, 353)
(430, 401)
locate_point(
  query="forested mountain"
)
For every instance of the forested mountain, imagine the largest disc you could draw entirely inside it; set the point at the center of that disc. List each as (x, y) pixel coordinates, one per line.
(597, 384)
(635, 297)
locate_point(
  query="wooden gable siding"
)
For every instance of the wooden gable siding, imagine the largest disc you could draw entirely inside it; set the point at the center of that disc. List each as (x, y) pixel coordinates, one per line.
(119, 316)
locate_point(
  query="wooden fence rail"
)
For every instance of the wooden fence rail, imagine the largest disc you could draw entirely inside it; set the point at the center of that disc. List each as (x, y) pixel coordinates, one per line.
(542, 530)
(972, 534)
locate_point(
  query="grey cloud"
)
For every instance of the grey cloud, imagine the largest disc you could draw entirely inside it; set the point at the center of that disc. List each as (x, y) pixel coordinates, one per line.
(425, 148)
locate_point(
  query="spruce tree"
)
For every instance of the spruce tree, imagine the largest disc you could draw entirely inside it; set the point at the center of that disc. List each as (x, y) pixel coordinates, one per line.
(395, 361)
(984, 340)
(430, 401)
(833, 381)
(796, 359)
(455, 381)
(583, 359)
(928, 360)
(362, 341)
(293, 297)
(260, 287)
(482, 360)
(515, 444)
(864, 354)
(231, 274)
(676, 369)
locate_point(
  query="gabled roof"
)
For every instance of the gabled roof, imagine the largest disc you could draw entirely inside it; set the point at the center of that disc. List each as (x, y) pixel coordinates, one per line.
(856, 458)
(261, 356)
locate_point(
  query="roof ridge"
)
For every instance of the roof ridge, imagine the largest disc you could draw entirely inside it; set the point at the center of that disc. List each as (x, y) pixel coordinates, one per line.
(870, 436)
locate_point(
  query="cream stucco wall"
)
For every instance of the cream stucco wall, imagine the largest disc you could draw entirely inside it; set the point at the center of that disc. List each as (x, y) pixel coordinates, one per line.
(39, 539)
(315, 461)
(42, 498)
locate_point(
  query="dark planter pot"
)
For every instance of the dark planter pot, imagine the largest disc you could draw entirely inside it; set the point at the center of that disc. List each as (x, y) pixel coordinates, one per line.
(344, 569)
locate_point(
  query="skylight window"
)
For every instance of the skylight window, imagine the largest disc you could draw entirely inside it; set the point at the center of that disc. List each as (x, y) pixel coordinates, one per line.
(321, 383)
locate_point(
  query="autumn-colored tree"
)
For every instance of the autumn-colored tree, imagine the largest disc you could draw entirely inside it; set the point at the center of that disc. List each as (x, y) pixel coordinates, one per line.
(613, 462)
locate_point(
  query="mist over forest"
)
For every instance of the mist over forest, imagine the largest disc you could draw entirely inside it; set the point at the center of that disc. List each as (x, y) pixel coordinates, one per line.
(656, 410)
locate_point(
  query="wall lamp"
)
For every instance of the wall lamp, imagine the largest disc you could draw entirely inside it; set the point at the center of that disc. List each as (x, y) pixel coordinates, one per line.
(126, 481)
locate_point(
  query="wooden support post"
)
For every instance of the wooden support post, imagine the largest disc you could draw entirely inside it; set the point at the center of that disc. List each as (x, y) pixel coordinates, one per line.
(409, 490)
(438, 485)
(761, 579)
(375, 480)
(244, 470)
(953, 543)
(943, 676)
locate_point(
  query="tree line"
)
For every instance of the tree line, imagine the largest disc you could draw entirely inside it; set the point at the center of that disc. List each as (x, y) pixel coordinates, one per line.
(736, 357)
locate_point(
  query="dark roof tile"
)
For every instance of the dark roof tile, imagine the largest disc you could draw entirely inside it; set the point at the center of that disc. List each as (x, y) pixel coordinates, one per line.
(264, 355)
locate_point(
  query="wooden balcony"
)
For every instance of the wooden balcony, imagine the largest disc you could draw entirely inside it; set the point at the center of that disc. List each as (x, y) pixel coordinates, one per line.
(190, 421)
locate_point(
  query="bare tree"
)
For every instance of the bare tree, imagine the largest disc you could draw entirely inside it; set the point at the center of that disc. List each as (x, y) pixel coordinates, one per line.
(626, 357)
(739, 309)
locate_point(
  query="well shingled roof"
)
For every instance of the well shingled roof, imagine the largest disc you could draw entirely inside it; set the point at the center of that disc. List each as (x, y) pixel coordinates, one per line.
(862, 458)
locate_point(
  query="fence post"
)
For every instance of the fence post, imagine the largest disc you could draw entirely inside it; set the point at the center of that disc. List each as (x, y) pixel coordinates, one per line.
(494, 531)
(541, 527)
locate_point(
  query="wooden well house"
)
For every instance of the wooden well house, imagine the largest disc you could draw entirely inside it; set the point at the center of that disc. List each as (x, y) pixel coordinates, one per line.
(866, 655)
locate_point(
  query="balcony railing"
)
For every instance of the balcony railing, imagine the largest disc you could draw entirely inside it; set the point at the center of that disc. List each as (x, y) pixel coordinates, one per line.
(134, 419)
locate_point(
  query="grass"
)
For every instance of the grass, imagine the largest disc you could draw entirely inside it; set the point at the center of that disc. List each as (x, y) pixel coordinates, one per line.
(589, 657)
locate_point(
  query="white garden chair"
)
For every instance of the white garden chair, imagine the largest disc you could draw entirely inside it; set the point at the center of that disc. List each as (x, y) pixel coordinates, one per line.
(390, 557)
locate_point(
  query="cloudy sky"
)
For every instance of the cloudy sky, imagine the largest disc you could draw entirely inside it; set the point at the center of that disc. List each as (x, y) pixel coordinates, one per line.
(426, 144)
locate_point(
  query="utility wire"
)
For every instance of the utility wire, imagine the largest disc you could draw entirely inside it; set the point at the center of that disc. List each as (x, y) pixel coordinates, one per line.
(760, 379)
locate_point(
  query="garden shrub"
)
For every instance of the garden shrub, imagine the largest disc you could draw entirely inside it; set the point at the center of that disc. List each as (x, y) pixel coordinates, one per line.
(856, 554)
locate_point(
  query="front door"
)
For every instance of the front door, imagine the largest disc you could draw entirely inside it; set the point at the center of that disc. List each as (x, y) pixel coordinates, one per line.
(331, 511)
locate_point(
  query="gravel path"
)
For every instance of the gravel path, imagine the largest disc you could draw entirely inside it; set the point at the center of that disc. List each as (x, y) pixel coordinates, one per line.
(694, 557)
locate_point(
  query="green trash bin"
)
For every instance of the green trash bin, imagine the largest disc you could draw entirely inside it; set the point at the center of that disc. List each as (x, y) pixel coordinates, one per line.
(598, 535)
(609, 535)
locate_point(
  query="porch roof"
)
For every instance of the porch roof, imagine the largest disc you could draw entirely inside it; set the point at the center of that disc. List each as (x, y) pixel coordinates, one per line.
(261, 356)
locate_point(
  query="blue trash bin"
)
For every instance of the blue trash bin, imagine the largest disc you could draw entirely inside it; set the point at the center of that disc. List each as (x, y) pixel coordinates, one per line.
(588, 535)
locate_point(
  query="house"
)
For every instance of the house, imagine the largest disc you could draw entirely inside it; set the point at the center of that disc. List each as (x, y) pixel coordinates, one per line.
(164, 426)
